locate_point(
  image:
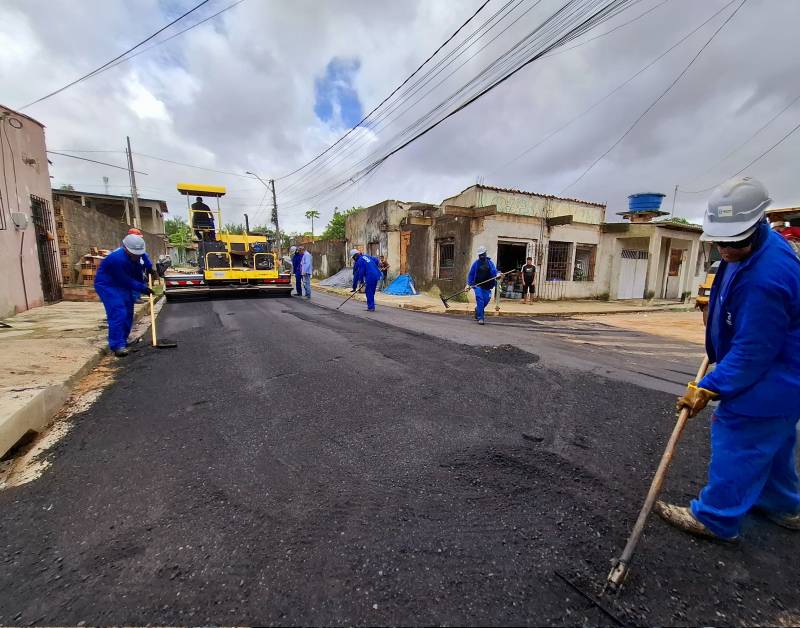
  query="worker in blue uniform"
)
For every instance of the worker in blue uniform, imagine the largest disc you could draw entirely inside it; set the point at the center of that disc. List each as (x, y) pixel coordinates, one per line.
(753, 337)
(483, 272)
(147, 266)
(118, 279)
(367, 272)
(297, 268)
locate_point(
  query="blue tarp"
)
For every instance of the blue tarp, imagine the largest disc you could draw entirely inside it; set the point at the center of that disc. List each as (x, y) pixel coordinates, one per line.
(401, 287)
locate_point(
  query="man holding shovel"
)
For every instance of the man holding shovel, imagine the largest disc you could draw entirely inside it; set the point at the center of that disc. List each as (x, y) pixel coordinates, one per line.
(753, 336)
(482, 279)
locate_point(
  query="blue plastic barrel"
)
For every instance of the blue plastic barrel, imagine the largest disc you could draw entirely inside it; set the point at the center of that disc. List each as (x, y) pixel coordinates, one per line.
(645, 202)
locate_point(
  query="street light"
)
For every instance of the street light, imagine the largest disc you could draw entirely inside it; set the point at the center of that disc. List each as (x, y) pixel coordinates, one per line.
(271, 186)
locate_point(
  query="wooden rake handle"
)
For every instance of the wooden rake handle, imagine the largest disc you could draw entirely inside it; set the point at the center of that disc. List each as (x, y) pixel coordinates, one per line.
(620, 570)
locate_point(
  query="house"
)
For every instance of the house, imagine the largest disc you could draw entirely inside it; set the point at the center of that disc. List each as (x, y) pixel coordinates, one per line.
(120, 208)
(86, 220)
(28, 250)
(577, 254)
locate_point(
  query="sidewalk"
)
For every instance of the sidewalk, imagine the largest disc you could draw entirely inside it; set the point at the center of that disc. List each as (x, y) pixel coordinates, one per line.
(424, 302)
(44, 353)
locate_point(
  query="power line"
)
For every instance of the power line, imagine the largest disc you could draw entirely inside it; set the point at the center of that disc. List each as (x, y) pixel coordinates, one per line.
(396, 89)
(657, 100)
(617, 88)
(757, 159)
(749, 139)
(563, 32)
(179, 163)
(103, 163)
(117, 58)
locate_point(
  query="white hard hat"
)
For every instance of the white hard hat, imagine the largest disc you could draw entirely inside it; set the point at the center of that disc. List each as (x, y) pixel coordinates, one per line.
(292, 249)
(354, 252)
(734, 210)
(481, 250)
(134, 244)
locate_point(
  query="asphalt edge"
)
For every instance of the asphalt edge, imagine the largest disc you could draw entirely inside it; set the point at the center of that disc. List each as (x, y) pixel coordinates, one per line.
(39, 411)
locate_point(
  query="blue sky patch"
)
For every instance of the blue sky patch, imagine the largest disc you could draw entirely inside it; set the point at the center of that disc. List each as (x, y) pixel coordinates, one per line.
(335, 98)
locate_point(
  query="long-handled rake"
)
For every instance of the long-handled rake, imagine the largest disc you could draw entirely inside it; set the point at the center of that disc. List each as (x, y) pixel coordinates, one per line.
(455, 294)
(352, 294)
(165, 343)
(620, 569)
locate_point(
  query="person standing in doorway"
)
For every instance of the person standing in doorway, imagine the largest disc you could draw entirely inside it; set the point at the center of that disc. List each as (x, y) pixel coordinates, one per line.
(482, 278)
(528, 280)
(306, 269)
(297, 268)
(383, 266)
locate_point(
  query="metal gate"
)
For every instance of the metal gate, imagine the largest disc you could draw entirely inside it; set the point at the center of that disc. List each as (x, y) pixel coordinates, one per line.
(47, 249)
(632, 274)
(554, 269)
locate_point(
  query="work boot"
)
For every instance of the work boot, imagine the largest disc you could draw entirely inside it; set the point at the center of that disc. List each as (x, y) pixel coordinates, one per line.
(121, 353)
(681, 517)
(480, 322)
(784, 520)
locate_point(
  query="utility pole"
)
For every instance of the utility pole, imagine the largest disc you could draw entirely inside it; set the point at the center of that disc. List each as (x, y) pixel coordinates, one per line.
(674, 196)
(246, 224)
(105, 184)
(275, 215)
(137, 219)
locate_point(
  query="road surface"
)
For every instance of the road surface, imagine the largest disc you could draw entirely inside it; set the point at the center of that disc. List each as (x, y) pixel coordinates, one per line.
(293, 464)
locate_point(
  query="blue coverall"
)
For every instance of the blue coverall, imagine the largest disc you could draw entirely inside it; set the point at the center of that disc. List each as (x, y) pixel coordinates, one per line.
(753, 336)
(297, 269)
(483, 293)
(146, 265)
(117, 279)
(365, 269)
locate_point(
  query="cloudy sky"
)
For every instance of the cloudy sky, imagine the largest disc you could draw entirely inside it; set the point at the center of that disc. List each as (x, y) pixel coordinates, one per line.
(269, 84)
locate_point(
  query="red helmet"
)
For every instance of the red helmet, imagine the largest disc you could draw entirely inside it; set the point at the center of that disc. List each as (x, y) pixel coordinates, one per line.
(134, 231)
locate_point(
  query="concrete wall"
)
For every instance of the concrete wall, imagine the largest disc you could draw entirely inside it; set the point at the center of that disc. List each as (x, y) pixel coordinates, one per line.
(82, 228)
(330, 256)
(462, 230)
(24, 172)
(527, 204)
(379, 224)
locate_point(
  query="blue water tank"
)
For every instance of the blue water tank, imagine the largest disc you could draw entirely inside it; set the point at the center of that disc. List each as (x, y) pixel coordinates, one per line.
(645, 202)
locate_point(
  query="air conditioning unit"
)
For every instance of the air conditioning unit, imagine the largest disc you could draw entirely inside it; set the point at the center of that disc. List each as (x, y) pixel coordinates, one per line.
(20, 220)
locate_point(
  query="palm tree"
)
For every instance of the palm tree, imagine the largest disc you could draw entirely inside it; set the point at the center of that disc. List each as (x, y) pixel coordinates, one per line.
(311, 214)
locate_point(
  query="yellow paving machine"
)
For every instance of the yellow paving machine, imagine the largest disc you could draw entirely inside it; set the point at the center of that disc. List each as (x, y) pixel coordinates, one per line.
(226, 262)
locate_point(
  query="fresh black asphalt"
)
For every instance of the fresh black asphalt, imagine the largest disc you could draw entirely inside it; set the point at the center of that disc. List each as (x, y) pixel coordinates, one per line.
(291, 464)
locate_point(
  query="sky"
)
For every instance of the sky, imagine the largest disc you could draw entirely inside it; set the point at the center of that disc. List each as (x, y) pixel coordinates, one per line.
(267, 85)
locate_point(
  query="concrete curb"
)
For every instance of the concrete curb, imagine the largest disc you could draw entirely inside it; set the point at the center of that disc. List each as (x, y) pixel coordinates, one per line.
(37, 412)
(434, 309)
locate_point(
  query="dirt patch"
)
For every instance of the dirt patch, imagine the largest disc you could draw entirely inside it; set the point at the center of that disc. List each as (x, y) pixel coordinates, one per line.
(31, 460)
(686, 326)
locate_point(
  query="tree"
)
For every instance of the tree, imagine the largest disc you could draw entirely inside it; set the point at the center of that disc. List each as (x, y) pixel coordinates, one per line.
(311, 214)
(234, 228)
(178, 232)
(336, 227)
(67, 187)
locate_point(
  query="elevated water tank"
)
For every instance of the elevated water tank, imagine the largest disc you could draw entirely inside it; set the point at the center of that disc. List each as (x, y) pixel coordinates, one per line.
(645, 202)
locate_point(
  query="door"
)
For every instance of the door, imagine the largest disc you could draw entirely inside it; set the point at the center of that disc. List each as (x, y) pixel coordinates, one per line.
(632, 274)
(46, 247)
(405, 240)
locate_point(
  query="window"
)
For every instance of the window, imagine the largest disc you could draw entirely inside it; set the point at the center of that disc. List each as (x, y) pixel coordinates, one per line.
(446, 253)
(373, 249)
(584, 262)
(558, 260)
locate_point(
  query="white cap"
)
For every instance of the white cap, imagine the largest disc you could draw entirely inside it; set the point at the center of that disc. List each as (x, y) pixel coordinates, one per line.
(134, 244)
(481, 250)
(292, 249)
(354, 252)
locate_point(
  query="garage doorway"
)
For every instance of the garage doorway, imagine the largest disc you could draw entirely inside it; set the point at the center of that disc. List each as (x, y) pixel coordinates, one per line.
(510, 255)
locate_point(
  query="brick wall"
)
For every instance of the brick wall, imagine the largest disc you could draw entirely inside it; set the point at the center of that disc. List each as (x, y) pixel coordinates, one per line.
(80, 228)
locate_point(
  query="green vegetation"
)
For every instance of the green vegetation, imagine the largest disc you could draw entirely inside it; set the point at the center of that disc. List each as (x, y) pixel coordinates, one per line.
(178, 232)
(311, 214)
(336, 227)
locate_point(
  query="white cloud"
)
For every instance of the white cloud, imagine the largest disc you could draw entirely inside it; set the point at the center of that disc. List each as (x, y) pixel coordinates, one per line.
(237, 94)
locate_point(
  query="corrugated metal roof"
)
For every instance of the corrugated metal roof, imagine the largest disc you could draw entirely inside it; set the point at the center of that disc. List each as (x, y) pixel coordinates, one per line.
(513, 191)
